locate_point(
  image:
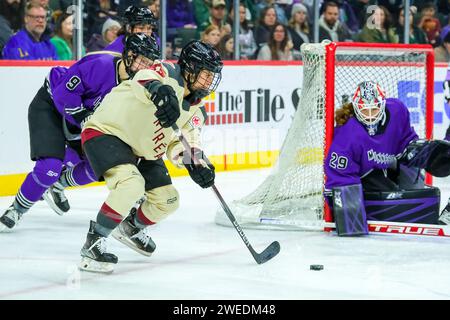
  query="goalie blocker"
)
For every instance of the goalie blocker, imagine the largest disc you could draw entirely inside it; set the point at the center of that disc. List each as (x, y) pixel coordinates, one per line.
(413, 206)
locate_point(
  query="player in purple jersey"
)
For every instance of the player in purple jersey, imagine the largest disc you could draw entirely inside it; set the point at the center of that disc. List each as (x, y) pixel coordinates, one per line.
(57, 114)
(375, 149)
(136, 20)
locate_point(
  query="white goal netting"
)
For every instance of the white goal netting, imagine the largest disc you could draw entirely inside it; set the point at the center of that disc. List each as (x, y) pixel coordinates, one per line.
(291, 196)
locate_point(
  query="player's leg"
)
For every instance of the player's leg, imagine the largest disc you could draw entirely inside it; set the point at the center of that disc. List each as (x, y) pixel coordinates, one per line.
(80, 174)
(112, 160)
(75, 172)
(45, 124)
(161, 199)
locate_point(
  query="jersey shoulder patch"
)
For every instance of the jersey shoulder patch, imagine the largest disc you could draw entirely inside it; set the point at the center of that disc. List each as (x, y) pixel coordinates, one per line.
(159, 69)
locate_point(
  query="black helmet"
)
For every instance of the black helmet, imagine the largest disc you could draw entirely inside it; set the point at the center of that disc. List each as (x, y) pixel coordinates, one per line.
(139, 15)
(139, 44)
(197, 56)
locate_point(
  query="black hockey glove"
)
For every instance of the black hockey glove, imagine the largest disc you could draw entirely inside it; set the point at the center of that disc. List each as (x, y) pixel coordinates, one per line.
(446, 86)
(203, 174)
(166, 101)
(80, 114)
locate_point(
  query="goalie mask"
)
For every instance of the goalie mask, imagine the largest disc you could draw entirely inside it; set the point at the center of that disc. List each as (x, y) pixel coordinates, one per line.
(369, 103)
(139, 53)
(201, 68)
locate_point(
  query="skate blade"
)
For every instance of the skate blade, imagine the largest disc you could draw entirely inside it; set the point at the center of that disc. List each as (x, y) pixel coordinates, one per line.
(90, 265)
(5, 229)
(48, 198)
(116, 235)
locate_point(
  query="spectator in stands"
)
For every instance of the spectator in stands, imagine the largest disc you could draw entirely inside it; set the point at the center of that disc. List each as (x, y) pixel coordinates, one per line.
(429, 23)
(109, 34)
(298, 28)
(60, 5)
(217, 17)
(247, 43)
(13, 11)
(211, 35)
(267, 21)
(251, 13)
(416, 35)
(392, 6)
(360, 8)
(180, 14)
(5, 33)
(226, 47)
(154, 6)
(98, 11)
(329, 25)
(442, 52)
(378, 27)
(347, 15)
(279, 46)
(30, 43)
(50, 28)
(201, 11)
(279, 6)
(62, 40)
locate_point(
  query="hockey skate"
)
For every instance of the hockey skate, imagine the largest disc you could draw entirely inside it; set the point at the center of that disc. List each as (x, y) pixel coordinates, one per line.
(10, 219)
(56, 198)
(94, 257)
(444, 217)
(133, 237)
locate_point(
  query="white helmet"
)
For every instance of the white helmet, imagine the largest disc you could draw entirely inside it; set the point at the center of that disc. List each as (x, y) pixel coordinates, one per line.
(369, 103)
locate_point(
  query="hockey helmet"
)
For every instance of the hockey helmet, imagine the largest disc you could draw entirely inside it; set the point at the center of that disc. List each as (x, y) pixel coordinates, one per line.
(139, 16)
(139, 53)
(201, 68)
(369, 103)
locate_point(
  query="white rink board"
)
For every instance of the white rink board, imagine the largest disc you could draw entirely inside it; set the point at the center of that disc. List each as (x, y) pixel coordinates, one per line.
(265, 95)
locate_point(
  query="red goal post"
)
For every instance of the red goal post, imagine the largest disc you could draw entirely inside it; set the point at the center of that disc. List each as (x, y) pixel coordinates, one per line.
(330, 74)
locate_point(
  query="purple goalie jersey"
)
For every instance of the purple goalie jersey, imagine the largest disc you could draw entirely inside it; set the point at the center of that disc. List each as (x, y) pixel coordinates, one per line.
(84, 84)
(354, 153)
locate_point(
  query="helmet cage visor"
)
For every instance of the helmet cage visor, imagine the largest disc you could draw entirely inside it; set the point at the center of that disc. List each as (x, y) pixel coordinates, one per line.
(203, 82)
(369, 103)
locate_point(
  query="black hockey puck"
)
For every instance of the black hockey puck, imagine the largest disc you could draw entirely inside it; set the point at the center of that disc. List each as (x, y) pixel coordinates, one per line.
(316, 267)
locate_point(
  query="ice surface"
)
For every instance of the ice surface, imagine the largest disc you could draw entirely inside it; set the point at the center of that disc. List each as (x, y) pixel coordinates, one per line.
(196, 259)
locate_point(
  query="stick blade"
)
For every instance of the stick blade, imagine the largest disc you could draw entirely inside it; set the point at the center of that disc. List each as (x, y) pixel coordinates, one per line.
(271, 251)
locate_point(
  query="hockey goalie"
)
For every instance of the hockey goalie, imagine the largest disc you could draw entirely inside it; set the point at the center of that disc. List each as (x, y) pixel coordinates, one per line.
(375, 164)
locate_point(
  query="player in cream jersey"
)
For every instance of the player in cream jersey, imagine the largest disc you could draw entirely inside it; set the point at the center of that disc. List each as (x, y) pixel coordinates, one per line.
(126, 138)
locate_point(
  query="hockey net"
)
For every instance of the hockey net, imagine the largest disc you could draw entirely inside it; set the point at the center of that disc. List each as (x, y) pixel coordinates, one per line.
(291, 197)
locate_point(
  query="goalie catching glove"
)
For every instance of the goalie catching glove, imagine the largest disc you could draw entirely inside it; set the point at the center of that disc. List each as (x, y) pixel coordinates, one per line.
(202, 173)
(433, 156)
(166, 101)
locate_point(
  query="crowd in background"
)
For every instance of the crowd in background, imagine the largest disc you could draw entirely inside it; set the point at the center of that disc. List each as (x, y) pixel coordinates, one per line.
(268, 29)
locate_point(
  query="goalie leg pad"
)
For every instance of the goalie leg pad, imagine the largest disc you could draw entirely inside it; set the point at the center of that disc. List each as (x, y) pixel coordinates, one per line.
(349, 212)
(413, 206)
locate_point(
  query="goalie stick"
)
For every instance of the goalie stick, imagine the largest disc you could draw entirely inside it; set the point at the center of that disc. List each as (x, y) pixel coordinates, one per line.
(271, 251)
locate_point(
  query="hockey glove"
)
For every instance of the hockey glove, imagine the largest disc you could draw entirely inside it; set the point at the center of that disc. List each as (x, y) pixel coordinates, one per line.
(203, 174)
(166, 101)
(447, 91)
(80, 114)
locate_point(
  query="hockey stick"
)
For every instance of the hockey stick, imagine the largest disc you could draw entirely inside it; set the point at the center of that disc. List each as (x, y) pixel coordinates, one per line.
(271, 251)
